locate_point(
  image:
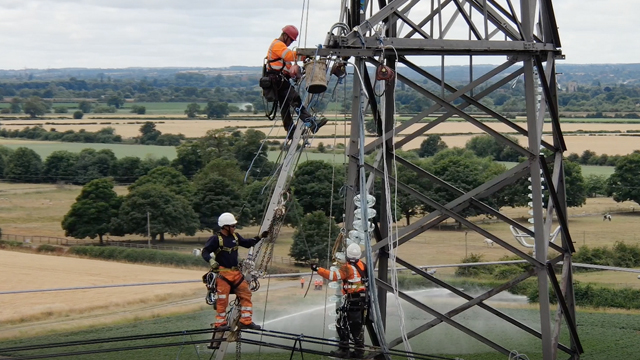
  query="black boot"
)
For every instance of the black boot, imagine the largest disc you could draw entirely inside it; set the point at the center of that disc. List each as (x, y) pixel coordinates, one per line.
(252, 326)
(314, 124)
(357, 354)
(341, 353)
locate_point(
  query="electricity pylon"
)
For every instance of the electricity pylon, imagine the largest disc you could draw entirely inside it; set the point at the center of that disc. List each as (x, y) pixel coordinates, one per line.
(401, 34)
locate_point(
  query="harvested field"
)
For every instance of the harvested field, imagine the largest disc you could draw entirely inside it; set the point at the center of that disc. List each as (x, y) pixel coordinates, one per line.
(43, 312)
(34, 271)
(609, 144)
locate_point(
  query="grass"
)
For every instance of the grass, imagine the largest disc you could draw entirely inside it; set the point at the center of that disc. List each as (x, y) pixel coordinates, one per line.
(597, 170)
(307, 155)
(586, 169)
(153, 108)
(603, 335)
(45, 148)
(158, 108)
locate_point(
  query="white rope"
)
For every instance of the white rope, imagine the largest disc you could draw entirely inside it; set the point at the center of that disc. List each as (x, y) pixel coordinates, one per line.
(393, 227)
(514, 355)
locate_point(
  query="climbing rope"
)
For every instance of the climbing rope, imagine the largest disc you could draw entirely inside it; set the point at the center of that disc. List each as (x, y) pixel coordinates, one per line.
(514, 355)
(393, 233)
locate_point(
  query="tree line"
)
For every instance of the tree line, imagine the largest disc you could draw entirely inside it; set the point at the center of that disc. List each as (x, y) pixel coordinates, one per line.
(229, 171)
(196, 87)
(149, 135)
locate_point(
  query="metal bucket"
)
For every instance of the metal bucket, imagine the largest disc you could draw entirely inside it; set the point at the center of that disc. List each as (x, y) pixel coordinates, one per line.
(316, 72)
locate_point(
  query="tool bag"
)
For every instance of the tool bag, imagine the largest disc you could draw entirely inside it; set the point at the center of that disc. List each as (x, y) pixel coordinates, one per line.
(267, 83)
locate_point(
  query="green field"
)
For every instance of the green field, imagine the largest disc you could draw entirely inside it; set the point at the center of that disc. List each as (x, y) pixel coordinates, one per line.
(45, 148)
(153, 108)
(586, 169)
(156, 108)
(604, 336)
(308, 155)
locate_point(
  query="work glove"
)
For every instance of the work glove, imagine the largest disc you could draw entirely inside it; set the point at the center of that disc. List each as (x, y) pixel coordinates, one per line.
(314, 267)
(264, 234)
(214, 264)
(295, 71)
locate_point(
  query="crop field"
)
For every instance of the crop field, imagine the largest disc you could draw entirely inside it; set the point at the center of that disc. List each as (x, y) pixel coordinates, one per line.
(45, 148)
(35, 271)
(600, 137)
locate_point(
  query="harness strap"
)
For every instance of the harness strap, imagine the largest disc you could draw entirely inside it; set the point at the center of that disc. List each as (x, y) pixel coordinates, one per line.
(346, 285)
(233, 285)
(221, 246)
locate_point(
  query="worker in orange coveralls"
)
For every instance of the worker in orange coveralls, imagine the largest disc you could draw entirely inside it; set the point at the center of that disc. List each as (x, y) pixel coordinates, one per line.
(224, 262)
(351, 314)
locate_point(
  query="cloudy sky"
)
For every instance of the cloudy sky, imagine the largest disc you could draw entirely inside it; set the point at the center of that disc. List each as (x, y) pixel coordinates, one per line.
(220, 33)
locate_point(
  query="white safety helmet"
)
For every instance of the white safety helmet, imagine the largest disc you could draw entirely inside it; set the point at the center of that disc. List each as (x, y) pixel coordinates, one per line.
(353, 252)
(226, 219)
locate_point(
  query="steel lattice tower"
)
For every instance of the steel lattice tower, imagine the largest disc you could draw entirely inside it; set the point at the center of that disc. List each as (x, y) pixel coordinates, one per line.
(525, 36)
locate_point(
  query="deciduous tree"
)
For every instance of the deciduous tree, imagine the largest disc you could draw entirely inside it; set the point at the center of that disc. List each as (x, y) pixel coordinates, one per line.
(312, 186)
(250, 153)
(115, 100)
(60, 166)
(313, 237)
(35, 106)
(188, 159)
(16, 105)
(216, 110)
(431, 145)
(595, 185)
(624, 183)
(85, 106)
(169, 178)
(91, 215)
(128, 169)
(168, 213)
(215, 195)
(93, 165)
(192, 110)
(23, 165)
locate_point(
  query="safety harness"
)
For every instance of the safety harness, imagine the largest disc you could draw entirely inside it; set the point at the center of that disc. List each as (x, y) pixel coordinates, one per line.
(363, 280)
(221, 247)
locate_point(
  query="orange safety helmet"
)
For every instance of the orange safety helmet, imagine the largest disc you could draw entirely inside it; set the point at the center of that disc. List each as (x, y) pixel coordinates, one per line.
(291, 31)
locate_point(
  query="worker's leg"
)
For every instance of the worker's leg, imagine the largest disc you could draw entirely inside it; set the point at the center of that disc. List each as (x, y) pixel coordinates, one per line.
(355, 318)
(284, 88)
(291, 98)
(222, 290)
(246, 307)
(342, 327)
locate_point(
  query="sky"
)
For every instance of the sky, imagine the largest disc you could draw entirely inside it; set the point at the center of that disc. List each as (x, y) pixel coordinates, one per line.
(221, 33)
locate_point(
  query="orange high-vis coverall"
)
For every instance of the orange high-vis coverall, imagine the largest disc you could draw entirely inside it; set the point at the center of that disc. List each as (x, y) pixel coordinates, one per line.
(230, 279)
(280, 57)
(279, 61)
(351, 279)
(351, 316)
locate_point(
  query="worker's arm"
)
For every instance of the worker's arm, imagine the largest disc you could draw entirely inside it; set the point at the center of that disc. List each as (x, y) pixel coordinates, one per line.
(210, 246)
(247, 243)
(333, 275)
